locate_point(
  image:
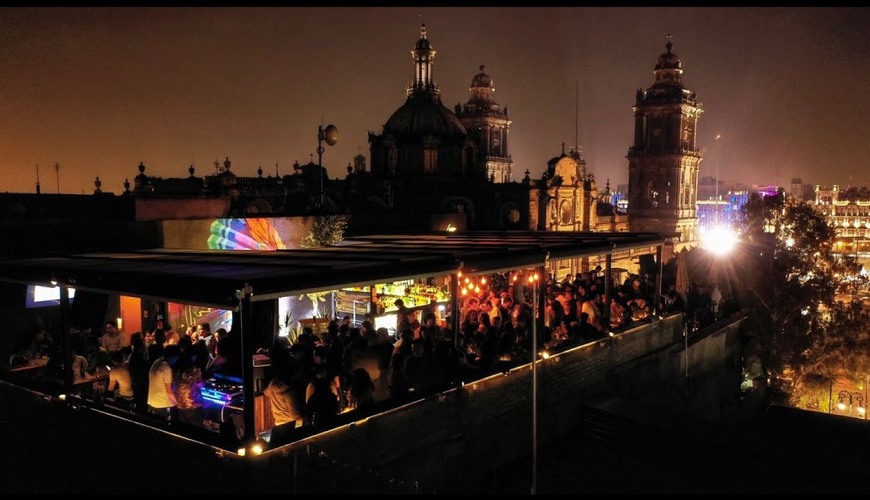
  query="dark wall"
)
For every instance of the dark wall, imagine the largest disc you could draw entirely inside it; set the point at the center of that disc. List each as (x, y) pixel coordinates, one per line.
(34, 237)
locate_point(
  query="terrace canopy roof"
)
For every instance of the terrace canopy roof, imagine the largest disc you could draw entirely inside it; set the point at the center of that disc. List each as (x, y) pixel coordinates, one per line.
(214, 277)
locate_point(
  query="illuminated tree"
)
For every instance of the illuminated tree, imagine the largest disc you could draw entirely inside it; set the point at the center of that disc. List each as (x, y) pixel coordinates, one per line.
(327, 231)
(792, 278)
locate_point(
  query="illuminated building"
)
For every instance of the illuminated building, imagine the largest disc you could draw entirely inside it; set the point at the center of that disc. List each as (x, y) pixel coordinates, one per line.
(487, 124)
(664, 160)
(848, 212)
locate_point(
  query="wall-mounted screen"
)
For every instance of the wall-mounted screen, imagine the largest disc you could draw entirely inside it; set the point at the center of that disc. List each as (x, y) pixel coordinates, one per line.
(45, 296)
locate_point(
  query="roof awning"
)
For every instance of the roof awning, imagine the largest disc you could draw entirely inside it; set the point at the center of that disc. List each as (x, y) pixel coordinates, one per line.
(213, 278)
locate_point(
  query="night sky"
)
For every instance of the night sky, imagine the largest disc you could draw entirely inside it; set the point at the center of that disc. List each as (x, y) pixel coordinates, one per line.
(99, 90)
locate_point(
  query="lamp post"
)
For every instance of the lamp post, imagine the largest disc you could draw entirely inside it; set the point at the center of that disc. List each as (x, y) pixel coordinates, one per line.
(856, 400)
(718, 161)
(330, 136)
(534, 280)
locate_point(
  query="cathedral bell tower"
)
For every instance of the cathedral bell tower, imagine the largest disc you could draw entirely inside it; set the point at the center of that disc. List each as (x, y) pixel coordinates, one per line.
(488, 126)
(663, 162)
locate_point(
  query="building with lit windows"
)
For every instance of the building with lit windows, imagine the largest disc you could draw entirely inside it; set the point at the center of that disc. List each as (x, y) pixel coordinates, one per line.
(848, 212)
(664, 158)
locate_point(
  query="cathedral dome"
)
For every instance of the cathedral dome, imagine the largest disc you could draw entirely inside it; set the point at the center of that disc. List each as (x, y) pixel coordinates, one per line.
(668, 60)
(421, 115)
(423, 43)
(481, 79)
(668, 72)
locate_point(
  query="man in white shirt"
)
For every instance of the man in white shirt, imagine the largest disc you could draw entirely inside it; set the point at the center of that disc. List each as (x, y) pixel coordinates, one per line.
(161, 397)
(120, 383)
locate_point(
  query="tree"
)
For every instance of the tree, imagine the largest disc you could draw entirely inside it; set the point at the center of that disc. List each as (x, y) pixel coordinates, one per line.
(327, 231)
(791, 282)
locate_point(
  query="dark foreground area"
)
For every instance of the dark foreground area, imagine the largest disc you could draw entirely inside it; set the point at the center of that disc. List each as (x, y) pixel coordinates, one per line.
(49, 447)
(623, 448)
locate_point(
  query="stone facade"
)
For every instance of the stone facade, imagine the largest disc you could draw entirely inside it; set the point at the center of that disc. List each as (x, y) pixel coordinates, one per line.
(664, 160)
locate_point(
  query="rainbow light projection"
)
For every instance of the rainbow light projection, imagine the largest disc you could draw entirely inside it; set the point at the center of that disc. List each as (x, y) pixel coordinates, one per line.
(244, 234)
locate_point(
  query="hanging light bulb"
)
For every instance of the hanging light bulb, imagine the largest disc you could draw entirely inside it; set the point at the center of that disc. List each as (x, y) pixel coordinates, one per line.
(483, 280)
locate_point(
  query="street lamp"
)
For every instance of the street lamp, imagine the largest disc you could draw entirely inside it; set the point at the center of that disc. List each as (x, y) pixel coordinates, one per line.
(856, 400)
(329, 135)
(534, 280)
(718, 161)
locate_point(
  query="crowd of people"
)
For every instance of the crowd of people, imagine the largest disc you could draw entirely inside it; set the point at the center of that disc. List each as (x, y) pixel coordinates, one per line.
(159, 373)
(354, 367)
(350, 367)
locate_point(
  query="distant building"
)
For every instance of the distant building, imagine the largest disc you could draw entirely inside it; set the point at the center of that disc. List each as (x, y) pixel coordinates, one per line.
(801, 191)
(724, 211)
(848, 212)
(487, 125)
(664, 159)
(710, 188)
(423, 137)
(431, 166)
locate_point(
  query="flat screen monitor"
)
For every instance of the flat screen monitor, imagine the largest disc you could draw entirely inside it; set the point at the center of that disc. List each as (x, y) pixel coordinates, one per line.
(45, 296)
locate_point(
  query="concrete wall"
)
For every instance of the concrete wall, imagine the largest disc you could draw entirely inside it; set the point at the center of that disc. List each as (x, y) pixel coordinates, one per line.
(441, 443)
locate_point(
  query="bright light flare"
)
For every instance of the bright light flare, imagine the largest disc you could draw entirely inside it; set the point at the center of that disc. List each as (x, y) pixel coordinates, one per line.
(719, 240)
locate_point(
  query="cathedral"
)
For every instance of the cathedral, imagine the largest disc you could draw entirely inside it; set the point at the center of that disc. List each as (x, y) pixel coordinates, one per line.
(430, 160)
(466, 154)
(663, 162)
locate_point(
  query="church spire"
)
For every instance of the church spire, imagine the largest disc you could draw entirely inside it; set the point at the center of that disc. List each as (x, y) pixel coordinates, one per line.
(423, 55)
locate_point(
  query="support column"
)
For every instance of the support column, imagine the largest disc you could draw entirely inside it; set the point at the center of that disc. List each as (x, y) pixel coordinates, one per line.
(66, 344)
(246, 331)
(657, 303)
(454, 307)
(608, 290)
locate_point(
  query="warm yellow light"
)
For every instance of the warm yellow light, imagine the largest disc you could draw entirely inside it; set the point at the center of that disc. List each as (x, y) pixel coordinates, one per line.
(459, 273)
(545, 355)
(476, 289)
(256, 449)
(451, 228)
(841, 406)
(719, 240)
(120, 323)
(464, 292)
(241, 452)
(482, 280)
(61, 397)
(515, 277)
(467, 279)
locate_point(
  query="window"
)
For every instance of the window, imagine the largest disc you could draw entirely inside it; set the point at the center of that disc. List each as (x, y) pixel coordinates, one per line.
(430, 160)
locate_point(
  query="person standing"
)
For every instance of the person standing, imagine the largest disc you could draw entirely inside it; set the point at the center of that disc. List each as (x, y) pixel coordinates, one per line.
(161, 396)
(139, 367)
(187, 384)
(403, 321)
(204, 335)
(286, 397)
